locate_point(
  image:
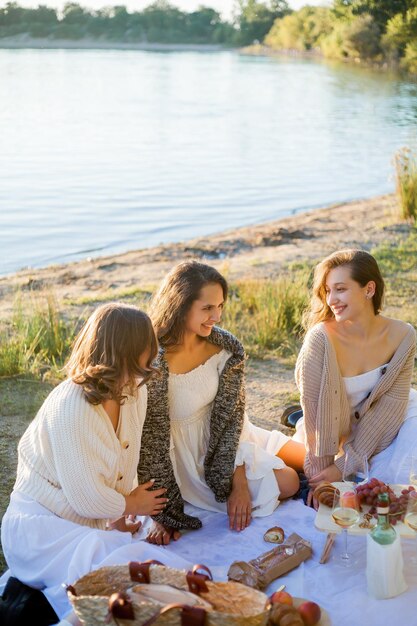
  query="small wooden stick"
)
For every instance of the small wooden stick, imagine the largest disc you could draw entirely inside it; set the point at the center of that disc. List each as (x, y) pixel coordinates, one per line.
(327, 548)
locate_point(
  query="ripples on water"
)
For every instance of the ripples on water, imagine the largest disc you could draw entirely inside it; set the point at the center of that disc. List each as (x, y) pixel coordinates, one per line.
(105, 151)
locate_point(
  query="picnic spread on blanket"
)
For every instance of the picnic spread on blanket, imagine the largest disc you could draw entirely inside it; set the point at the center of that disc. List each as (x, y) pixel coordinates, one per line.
(340, 592)
(313, 572)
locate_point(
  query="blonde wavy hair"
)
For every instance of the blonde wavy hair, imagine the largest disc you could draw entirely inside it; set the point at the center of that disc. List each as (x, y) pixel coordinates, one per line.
(363, 268)
(106, 352)
(180, 288)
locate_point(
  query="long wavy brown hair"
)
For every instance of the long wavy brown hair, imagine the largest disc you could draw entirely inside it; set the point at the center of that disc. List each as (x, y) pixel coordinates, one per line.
(363, 268)
(180, 288)
(106, 352)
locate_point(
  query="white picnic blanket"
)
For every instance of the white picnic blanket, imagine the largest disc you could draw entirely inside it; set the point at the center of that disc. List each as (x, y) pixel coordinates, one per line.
(342, 592)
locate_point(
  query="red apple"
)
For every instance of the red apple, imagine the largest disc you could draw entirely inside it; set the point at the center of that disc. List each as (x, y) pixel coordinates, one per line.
(281, 597)
(310, 612)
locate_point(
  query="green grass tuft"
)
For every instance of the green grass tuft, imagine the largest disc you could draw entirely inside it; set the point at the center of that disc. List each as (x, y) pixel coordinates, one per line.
(398, 263)
(266, 314)
(37, 339)
(405, 164)
(139, 296)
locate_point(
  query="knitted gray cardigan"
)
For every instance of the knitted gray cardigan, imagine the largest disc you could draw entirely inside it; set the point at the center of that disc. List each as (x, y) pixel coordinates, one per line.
(226, 422)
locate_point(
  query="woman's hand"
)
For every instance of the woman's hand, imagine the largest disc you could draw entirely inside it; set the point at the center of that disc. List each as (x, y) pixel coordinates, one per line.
(142, 501)
(162, 535)
(126, 524)
(239, 504)
(330, 474)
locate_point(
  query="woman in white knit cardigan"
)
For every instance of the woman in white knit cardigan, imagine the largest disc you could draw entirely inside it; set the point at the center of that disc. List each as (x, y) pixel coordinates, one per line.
(77, 460)
(354, 373)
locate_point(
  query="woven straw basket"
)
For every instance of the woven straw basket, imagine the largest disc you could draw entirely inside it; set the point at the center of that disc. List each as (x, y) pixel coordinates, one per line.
(101, 598)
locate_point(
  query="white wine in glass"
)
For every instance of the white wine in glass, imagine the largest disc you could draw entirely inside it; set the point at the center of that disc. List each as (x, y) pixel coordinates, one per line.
(411, 520)
(345, 517)
(411, 514)
(345, 513)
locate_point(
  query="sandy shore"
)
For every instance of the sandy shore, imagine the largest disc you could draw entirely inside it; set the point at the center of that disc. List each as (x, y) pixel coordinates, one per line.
(250, 252)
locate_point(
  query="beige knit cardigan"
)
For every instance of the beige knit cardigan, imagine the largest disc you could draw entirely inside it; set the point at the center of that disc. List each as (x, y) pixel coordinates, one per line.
(72, 462)
(327, 414)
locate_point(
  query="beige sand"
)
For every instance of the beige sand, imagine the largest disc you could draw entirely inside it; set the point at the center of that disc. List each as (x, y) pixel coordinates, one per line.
(256, 251)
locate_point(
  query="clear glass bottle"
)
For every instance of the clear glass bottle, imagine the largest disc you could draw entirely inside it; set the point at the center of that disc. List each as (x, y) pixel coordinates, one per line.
(383, 533)
(384, 566)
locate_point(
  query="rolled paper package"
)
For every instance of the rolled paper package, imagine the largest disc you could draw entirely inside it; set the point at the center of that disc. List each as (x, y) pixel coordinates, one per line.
(260, 572)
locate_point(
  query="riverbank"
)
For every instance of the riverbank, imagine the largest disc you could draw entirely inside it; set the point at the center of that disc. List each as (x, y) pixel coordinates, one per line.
(315, 54)
(252, 252)
(25, 41)
(260, 49)
(250, 255)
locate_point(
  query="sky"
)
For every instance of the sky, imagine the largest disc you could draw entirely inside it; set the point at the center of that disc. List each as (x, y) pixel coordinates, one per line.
(225, 7)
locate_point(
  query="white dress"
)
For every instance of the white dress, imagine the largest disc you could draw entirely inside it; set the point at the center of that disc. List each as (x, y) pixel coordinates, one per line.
(392, 465)
(47, 551)
(191, 397)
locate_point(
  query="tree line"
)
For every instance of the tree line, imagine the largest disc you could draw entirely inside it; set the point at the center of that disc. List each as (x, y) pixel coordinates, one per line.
(160, 22)
(377, 31)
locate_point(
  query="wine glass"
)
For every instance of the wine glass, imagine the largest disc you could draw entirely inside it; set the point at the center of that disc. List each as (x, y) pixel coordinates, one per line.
(411, 517)
(360, 475)
(413, 470)
(345, 513)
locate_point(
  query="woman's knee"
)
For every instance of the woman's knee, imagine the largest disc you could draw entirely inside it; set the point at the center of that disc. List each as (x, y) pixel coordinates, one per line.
(293, 454)
(288, 482)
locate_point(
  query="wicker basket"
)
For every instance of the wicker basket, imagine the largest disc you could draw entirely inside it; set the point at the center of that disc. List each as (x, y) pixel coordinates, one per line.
(101, 598)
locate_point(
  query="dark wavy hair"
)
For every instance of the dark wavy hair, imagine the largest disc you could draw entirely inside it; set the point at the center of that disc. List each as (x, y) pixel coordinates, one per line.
(106, 352)
(363, 268)
(180, 288)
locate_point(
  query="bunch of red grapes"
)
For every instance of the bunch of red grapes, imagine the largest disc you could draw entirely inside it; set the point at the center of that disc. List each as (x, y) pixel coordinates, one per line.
(368, 494)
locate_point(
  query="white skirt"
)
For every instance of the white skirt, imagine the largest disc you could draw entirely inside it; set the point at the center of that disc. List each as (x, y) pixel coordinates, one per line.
(256, 451)
(47, 552)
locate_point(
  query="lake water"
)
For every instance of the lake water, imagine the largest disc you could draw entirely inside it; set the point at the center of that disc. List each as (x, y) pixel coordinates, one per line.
(103, 151)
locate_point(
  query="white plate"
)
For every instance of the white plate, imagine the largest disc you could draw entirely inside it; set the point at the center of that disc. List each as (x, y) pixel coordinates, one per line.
(324, 521)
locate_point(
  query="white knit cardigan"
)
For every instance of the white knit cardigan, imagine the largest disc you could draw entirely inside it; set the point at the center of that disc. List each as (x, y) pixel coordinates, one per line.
(71, 461)
(326, 409)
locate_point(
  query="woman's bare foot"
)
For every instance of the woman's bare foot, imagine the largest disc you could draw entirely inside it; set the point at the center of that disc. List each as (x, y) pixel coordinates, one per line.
(162, 535)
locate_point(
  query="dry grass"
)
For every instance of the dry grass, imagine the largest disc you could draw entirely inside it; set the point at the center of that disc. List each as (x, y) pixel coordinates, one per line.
(405, 164)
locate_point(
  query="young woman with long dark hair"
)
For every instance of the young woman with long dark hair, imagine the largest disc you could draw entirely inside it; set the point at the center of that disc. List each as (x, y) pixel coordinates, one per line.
(197, 439)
